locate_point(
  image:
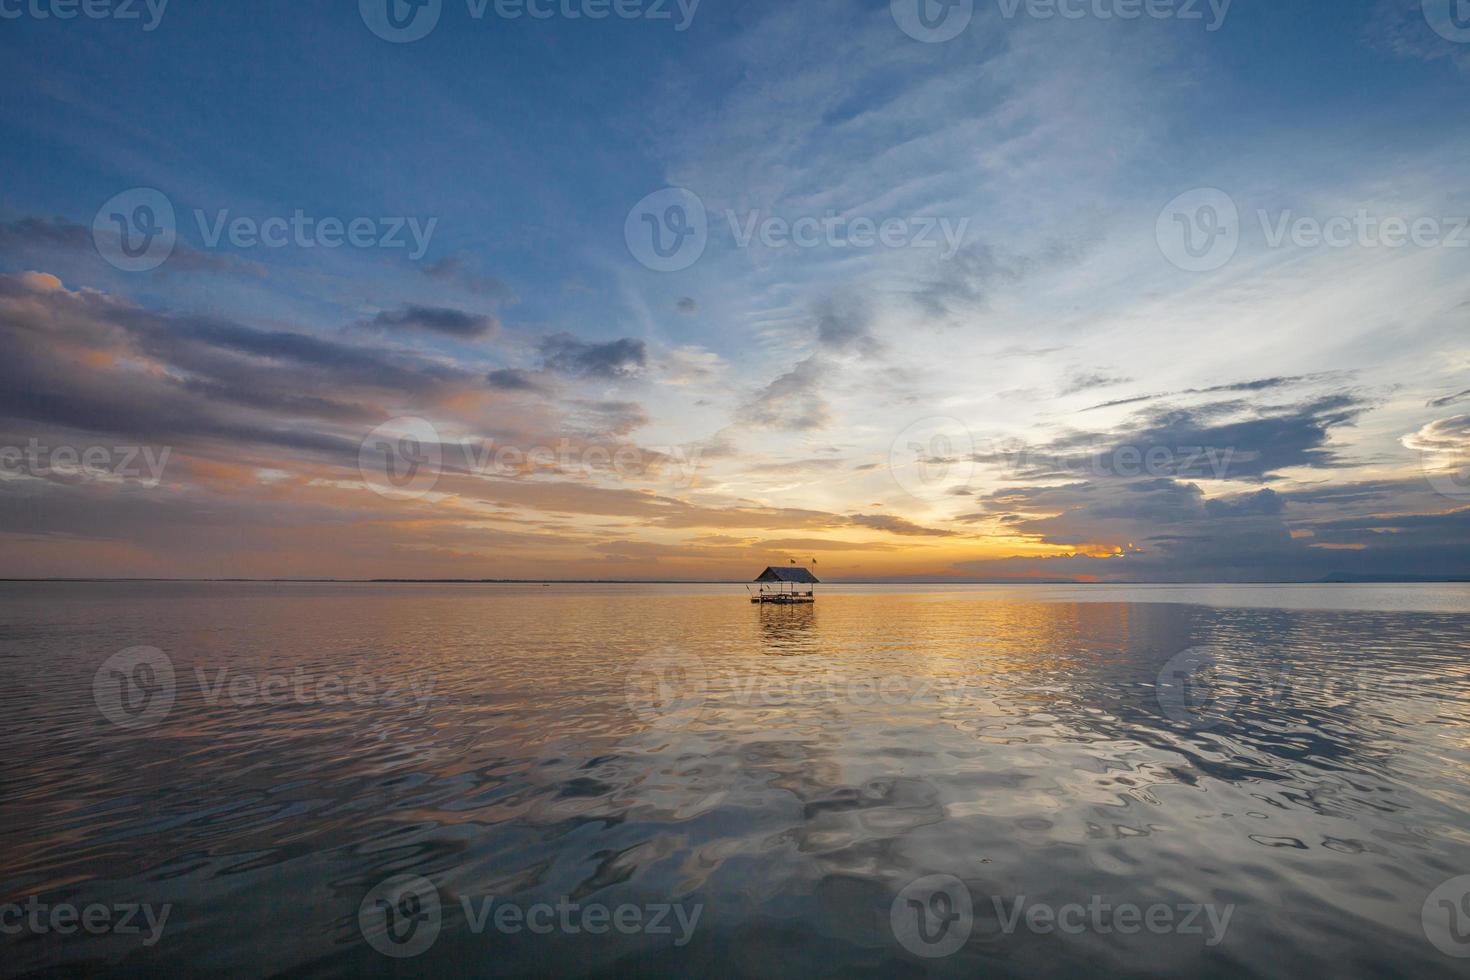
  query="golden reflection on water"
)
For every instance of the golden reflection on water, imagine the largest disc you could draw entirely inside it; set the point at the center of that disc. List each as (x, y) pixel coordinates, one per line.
(790, 767)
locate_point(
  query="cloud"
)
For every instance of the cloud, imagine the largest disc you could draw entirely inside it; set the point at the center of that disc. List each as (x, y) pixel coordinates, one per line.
(38, 237)
(966, 282)
(453, 270)
(88, 362)
(792, 402)
(436, 319)
(1080, 381)
(1402, 27)
(1121, 519)
(615, 418)
(690, 365)
(1444, 437)
(1259, 384)
(511, 379)
(615, 360)
(1220, 440)
(846, 330)
(1441, 402)
(898, 525)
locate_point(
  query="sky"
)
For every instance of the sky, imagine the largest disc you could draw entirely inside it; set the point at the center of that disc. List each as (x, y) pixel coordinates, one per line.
(974, 290)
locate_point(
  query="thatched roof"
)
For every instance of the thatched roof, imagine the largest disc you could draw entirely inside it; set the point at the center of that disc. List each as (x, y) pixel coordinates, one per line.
(791, 573)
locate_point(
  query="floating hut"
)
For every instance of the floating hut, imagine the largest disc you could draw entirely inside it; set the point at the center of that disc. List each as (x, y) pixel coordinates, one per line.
(783, 586)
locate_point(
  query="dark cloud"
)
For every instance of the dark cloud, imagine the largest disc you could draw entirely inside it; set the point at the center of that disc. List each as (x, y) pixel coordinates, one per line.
(966, 281)
(86, 362)
(1238, 387)
(39, 236)
(1086, 381)
(1262, 503)
(1221, 440)
(511, 379)
(1156, 522)
(436, 319)
(615, 360)
(844, 329)
(898, 525)
(1441, 402)
(455, 271)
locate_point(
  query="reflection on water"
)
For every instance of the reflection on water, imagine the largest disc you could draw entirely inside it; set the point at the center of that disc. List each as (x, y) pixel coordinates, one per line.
(789, 771)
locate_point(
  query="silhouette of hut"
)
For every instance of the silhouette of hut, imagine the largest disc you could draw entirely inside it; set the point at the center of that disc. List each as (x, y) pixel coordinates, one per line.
(783, 585)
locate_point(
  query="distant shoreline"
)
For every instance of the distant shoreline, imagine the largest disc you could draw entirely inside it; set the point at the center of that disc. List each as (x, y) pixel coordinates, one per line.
(1332, 580)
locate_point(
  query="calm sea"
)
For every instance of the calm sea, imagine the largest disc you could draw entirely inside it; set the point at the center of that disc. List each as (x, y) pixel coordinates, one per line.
(349, 780)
